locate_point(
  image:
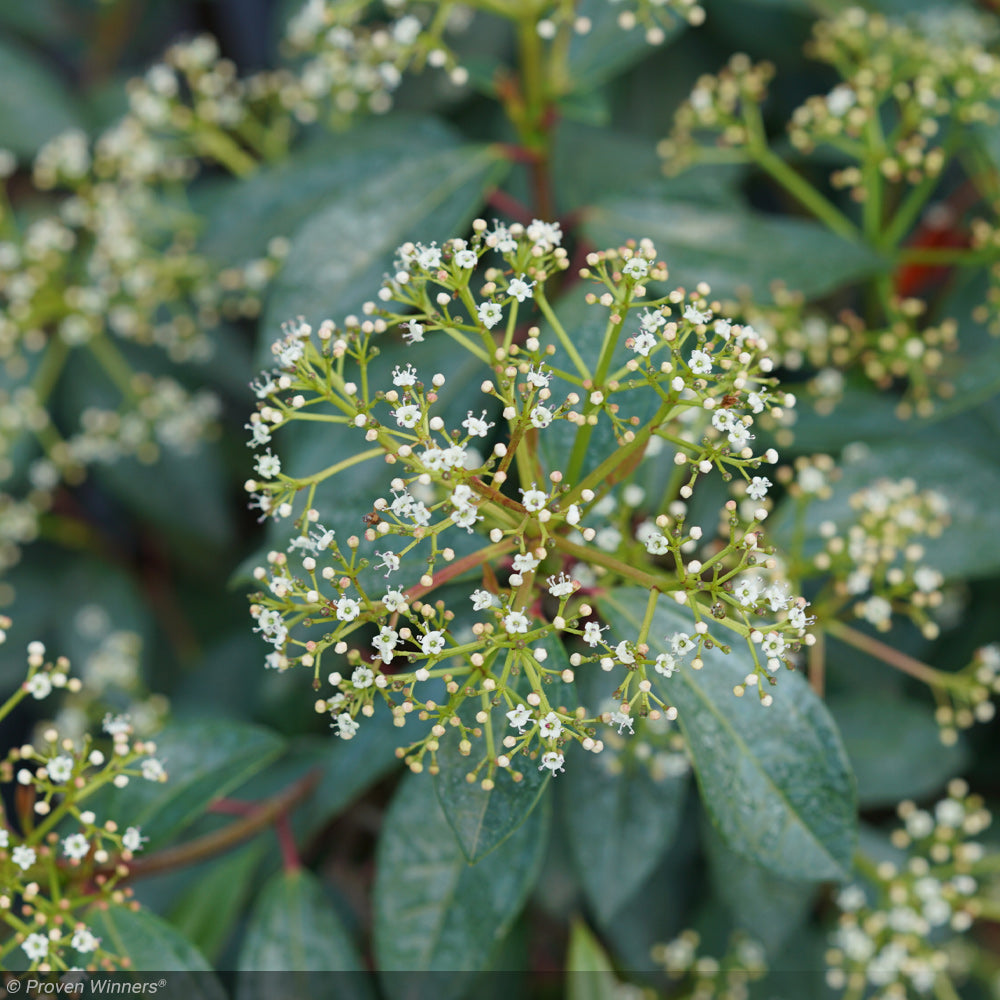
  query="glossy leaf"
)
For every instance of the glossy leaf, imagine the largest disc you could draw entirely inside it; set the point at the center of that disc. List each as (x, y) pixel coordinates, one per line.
(776, 782)
(768, 907)
(154, 946)
(244, 215)
(434, 912)
(895, 748)
(589, 973)
(630, 821)
(35, 105)
(725, 246)
(341, 253)
(294, 928)
(204, 760)
(208, 911)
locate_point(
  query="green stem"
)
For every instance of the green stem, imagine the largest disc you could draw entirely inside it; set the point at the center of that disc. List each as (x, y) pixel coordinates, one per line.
(115, 364)
(608, 561)
(560, 331)
(332, 470)
(893, 657)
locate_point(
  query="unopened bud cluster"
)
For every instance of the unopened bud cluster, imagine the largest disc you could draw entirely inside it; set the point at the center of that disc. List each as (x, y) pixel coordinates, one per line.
(725, 978)
(512, 535)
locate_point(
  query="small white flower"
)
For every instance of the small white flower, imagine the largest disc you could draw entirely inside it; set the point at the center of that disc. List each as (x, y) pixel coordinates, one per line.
(540, 416)
(432, 643)
(363, 677)
(777, 597)
(758, 487)
(592, 633)
(681, 644)
(490, 314)
(466, 259)
(700, 363)
(39, 686)
(533, 500)
(723, 327)
(152, 770)
(60, 768)
(477, 426)
(524, 563)
(538, 377)
(756, 402)
(692, 315)
(643, 343)
(404, 378)
(519, 717)
(773, 645)
(550, 727)
(268, 466)
(553, 761)
(393, 601)
(797, 618)
(624, 654)
(414, 332)
(515, 622)
(347, 609)
(132, 840)
(657, 543)
(840, 100)
(346, 726)
(481, 600)
(739, 435)
(390, 562)
(520, 288)
(637, 267)
(84, 941)
(408, 415)
(621, 720)
(665, 664)
(76, 846)
(36, 947)
(561, 586)
(23, 856)
(573, 514)
(546, 235)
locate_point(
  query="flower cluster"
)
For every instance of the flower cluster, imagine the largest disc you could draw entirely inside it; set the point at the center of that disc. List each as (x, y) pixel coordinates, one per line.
(893, 935)
(712, 978)
(57, 858)
(520, 514)
(876, 566)
(964, 697)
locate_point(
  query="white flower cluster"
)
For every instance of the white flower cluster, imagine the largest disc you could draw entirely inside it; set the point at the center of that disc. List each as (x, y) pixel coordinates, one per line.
(475, 496)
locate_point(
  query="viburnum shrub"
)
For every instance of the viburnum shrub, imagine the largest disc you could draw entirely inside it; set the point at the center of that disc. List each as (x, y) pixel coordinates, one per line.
(476, 583)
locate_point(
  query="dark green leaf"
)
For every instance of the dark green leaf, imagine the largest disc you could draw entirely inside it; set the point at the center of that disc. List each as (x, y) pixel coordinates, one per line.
(209, 909)
(725, 247)
(631, 820)
(243, 216)
(895, 748)
(34, 103)
(483, 819)
(340, 255)
(434, 912)
(154, 946)
(768, 907)
(775, 781)
(205, 760)
(294, 928)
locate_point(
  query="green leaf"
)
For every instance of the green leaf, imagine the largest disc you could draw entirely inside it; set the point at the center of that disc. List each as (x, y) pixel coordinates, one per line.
(776, 782)
(895, 748)
(34, 103)
(205, 760)
(340, 255)
(725, 246)
(589, 973)
(962, 476)
(154, 946)
(631, 821)
(243, 216)
(769, 907)
(209, 909)
(434, 912)
(294, 928)
(483, 819)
